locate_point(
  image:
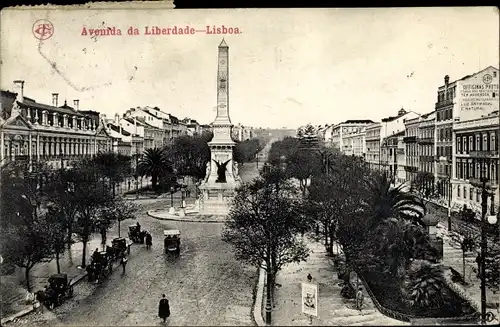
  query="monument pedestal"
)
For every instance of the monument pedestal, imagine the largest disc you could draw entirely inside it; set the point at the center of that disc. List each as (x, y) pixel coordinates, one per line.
(216, 198)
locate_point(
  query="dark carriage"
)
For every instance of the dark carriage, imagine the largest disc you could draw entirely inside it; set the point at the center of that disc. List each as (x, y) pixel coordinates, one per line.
(56, 292)
(135, 234)
(172, 241)
(100, 267)
(119, 247)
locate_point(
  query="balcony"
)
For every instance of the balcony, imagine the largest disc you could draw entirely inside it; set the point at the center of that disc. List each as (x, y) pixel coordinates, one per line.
(409, 139)
(478, 183)
(442, 158)
(425, 140)
(483, 154)
(444, 103)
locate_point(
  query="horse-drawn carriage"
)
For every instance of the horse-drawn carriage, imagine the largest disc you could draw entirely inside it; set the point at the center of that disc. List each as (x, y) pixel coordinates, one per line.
(59, 288)
(119, 247)
(135, 234)
(100, 267)
(172, 242)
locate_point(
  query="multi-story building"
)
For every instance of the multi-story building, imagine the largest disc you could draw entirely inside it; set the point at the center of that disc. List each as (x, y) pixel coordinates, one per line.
(426, 145)
(411, 148)
(419, 145)
(393, 155)
(476, 156)
(465, 99)
(372, 139)
(348, 127)
(34, 131)
(241, 133)
(354, 143)
(376, 132)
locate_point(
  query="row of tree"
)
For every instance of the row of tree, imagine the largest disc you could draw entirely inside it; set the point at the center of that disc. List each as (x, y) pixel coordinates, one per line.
(44, 211)
(379, 228)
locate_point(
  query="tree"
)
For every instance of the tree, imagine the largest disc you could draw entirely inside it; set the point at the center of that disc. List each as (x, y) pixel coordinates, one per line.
(263, 223)
(93, 198)
(189, 155)
(154, 163)
(425, 287)
(61, 194)
(119, 210)
(57, 226)
(386, 201)
(467, 241)
(26, 245)
(114, 167)
(282, 150)
(303, 164)
(246, 150)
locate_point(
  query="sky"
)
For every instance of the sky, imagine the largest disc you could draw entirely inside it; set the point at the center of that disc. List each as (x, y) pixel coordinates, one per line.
(287, 67)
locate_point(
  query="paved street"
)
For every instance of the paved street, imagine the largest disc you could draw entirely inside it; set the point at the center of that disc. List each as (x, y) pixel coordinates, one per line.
(205, 285)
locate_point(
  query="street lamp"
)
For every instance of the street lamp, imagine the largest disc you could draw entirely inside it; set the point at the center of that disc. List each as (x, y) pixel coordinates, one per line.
(172, 210)
(183, 188)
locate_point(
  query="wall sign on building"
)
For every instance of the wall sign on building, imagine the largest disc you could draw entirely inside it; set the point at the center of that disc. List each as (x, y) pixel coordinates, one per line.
(478, 94)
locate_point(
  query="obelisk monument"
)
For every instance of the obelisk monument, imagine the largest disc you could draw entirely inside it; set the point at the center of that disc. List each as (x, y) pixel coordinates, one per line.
(221, 180)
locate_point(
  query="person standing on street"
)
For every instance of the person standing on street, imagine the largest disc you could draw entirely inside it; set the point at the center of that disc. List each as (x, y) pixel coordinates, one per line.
(149, 241)
(164, 308)
(123, 262)
(359, 298)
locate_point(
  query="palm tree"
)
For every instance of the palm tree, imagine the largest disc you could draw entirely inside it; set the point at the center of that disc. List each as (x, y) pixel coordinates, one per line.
(425, 287)
(154, 163)
(385, 201)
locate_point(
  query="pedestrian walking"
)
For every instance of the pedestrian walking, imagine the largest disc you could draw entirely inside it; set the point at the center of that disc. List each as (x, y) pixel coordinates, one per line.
(359, 298)
(123, 262)
(149, 241)
(164, 308)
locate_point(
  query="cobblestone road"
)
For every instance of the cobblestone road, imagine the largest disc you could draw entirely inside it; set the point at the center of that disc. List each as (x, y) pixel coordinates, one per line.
(205, 284)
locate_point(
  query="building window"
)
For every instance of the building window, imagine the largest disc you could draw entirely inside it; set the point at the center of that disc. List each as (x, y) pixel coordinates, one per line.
(471, 143)
(494, 74)
(485, 142)
(478, 198)
(493, 145)
(465, 193)
(471, 194)
(464, 142)
(459, 144)
(478, 144)
(458, 191)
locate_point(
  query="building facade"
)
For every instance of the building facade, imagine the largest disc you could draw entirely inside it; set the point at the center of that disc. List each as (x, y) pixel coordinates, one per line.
(58, 135)
(476, 156)
(393, 156)
(339, 131)
(411, 148)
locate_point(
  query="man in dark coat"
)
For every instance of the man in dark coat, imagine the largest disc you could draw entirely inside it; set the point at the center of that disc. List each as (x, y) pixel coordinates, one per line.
(164, 308)
(149, 241)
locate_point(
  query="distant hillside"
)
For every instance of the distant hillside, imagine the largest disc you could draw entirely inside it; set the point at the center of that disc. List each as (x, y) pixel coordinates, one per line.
(272, 133)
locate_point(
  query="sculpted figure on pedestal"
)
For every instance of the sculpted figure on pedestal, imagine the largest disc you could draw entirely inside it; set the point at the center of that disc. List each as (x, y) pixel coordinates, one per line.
(221, 171)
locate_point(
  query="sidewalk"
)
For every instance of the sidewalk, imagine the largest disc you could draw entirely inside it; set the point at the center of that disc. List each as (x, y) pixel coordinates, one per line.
(13, 287)
(333, 309)
(452, 257)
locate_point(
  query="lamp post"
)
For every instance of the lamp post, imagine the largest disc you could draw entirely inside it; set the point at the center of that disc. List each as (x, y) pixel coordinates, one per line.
(183, 188)
(172, 210)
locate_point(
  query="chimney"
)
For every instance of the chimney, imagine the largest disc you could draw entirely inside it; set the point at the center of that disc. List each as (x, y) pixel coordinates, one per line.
(54, 99)
(446, 80)
(20, 95)
(117, 119)
(76, 104)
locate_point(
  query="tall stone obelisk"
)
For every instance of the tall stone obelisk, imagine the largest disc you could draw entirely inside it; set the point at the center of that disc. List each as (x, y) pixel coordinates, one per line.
(221, 180)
